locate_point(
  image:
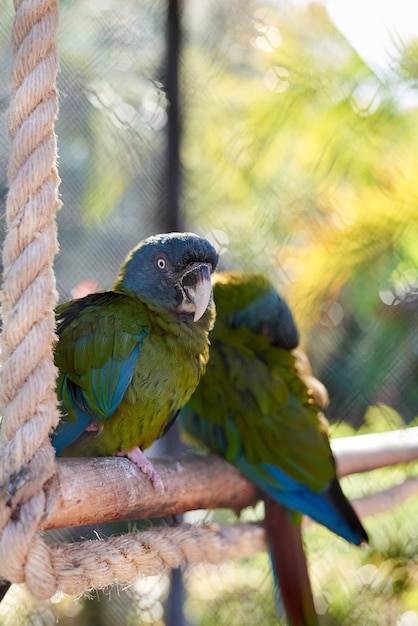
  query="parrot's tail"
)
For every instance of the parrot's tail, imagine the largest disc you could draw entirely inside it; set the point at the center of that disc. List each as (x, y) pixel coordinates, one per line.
(289, 565)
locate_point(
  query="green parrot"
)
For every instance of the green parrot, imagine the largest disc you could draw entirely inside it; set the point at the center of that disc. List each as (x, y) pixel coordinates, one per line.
(257, 406)
(130, 358)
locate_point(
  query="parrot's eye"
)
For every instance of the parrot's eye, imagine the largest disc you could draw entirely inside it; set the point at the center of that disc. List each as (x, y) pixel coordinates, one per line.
(161, 263)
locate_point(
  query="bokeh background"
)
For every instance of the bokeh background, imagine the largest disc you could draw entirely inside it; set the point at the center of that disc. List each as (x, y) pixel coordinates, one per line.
(273, 129)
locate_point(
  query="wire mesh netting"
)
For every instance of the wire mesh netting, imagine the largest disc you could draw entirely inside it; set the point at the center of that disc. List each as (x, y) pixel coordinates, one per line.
(296, 158)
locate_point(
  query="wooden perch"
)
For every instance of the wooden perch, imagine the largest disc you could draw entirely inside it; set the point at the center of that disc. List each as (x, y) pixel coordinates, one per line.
(362, 453)
(97, 490)
(386, 500)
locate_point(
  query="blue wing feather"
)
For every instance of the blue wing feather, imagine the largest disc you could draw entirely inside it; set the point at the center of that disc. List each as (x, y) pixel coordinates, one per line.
(100, 339)
(107, 398)
(270, 478)
(67, 432)
(298, 497)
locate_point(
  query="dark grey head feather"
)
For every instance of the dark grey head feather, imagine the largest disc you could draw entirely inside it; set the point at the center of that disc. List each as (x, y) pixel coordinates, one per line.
(154, 271)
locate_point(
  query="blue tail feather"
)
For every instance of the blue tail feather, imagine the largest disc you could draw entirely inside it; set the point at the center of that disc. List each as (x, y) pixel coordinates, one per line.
(298, 497)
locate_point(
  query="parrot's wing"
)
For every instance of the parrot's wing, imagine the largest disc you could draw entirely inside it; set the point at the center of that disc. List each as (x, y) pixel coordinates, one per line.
(100, 338)
(255, 403)
(267, 424)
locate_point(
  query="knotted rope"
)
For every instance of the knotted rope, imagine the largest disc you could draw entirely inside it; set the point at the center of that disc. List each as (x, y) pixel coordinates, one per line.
(27, 384)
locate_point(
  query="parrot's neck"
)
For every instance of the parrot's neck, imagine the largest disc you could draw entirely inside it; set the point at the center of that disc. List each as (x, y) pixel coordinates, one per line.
(181, 329)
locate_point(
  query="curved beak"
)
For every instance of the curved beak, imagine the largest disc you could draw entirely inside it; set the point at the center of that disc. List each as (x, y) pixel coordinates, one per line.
(197, 290)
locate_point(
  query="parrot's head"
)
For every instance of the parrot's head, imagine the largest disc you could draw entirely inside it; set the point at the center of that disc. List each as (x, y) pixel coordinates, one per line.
(171, 271)
(249, 300)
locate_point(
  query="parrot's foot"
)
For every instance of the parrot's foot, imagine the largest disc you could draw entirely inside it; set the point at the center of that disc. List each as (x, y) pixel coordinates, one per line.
(94, 427)
(138, 457)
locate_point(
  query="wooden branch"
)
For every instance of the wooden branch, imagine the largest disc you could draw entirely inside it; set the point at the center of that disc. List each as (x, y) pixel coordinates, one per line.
(386, 500)
(97, 490)
(362, 453)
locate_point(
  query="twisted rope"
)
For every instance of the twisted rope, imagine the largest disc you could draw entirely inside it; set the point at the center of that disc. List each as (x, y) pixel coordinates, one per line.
(27, 385)
(121, 559)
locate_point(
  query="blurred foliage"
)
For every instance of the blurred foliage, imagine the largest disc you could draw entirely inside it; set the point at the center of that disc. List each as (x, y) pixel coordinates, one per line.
(305, 167)
(299, 160)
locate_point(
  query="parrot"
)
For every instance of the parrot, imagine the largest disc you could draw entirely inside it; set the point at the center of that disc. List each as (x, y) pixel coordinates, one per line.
(128, 359)
(259, 406)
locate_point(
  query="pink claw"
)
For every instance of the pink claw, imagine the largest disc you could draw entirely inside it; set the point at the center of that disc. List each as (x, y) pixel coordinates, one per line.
(138, 457)
(94, 427)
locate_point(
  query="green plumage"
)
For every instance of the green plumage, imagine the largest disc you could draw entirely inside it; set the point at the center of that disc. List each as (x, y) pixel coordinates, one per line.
(166, 371)
(258, 406)
(273, 410)
(129, 359)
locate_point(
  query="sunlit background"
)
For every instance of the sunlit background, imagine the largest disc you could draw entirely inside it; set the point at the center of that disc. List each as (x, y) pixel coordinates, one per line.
(298, 157)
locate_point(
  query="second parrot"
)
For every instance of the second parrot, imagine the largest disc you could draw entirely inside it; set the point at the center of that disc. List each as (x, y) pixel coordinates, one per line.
(258, 406)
